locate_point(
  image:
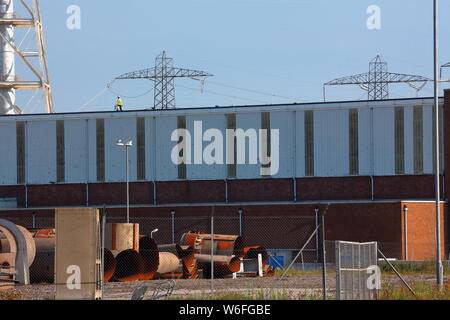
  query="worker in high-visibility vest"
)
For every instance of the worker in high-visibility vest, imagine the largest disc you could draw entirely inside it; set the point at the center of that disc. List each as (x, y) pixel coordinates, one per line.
(119, 104)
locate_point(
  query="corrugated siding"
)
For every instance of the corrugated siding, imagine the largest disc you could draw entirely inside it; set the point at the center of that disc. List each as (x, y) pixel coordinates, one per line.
(125, 130)
(41, 152)
(8, 154)
(331, 148)
(384, 141)
(282, 121)
(165, 169)
(76, 149)
(247, 121)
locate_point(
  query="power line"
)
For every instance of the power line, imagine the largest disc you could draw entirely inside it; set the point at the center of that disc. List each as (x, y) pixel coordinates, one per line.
(222, 94)
(255, 91)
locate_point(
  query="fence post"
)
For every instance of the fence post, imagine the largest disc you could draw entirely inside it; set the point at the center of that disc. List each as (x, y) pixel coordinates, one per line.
(240, 211)
(317, 234)
(172, 212)
(338, 270)
(212, 250)
(324, 260)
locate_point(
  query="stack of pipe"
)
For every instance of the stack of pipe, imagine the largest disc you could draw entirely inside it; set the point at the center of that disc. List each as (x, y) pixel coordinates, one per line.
(224, 251)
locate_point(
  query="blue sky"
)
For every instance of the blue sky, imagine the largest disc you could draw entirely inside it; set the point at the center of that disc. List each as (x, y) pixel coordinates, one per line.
(284, 47)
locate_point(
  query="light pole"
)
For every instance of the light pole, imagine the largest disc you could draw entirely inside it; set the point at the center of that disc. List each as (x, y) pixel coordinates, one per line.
(153, 231)
(439, 269)
(126, 145)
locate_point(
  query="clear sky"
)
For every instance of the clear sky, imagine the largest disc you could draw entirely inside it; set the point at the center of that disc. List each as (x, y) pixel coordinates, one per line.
(283, 47)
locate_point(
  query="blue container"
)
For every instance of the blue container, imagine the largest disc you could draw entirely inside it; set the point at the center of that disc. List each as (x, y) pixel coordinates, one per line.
(276, 262)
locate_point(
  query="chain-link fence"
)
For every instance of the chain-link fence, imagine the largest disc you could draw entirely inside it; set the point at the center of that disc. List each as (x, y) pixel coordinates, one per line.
(289, 266)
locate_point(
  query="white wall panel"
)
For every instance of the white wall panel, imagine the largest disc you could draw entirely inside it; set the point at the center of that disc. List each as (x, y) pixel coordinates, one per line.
(165, 169)
(247, 121)
(365, 142)
(8, 154)
(331, 149)
(115, 129)
(384, 141)
(409, 140)
(204, 171)
(41, 152)
(76, 151)
(283, 121)
(300, 143)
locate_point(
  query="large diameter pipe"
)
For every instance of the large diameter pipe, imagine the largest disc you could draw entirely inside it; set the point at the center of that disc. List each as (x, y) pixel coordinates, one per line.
(222, 244)
(8, 245)
(149, 253)
(223, 265)
(109, 267)
(7, 59)
(130, 266)
(168, 262)
(122, 236)
(253, 252)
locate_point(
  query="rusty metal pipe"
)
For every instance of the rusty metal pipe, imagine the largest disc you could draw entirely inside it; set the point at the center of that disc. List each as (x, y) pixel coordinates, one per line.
(149, 253)
(168, 262)
(129, 266)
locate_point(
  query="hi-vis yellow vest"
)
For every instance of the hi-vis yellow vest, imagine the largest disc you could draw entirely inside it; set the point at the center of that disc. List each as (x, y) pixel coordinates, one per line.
(119, 102)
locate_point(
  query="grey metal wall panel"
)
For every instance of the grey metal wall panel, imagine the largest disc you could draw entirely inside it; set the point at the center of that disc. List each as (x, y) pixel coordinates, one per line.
(76, 151)
(384, 141)
(9, 153)
(41, 152)
(166, 170)
(204, 171)
(331, 149)
(282, 121)
(365, 142)
(119, 129)
(247, 121)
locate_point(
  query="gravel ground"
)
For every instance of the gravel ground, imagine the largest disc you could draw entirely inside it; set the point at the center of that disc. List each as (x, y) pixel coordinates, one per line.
(296, 287)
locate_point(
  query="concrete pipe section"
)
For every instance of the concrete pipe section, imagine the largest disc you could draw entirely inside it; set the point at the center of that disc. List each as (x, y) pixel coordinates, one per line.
(17, 250)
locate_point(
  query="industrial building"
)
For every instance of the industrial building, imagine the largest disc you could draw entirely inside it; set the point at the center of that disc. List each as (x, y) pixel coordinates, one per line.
(369, 159)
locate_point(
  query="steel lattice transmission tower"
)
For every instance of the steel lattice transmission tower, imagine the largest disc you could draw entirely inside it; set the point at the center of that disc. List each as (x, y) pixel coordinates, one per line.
(447, 65)
(35, 59)
(376, 81)
(163, 75)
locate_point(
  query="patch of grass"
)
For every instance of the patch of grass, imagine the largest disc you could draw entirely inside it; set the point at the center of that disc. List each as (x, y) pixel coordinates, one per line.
(296, 272)
(425, 267)
(424, 290)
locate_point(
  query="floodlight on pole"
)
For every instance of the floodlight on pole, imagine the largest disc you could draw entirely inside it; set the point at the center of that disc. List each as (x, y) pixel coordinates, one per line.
(439, 268)
(126, 145)
(153, 231)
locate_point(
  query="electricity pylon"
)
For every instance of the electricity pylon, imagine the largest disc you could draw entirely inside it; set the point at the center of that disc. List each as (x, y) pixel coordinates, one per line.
(34, 59)
(163, 75)
(376, 81)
